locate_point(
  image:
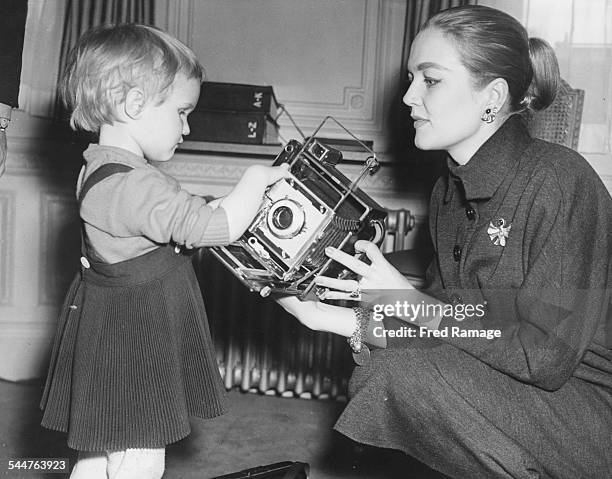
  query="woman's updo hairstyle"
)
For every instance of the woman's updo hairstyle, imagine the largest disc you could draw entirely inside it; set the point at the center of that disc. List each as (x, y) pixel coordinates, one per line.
(492, 44)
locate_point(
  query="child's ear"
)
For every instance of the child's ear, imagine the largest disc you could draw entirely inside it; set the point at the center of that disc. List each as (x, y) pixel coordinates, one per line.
(134, 103)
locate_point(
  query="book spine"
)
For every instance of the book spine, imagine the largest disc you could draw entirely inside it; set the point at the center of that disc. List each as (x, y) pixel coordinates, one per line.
(232, 127)
(224, 96)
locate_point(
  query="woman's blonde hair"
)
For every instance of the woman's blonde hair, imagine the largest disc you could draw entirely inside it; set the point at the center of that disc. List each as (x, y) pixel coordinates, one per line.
(108, 61)
(492, 44)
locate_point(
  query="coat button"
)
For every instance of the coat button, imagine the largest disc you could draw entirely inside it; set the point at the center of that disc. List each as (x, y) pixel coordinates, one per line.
(85, 262)
(470, 213)
(457, 252)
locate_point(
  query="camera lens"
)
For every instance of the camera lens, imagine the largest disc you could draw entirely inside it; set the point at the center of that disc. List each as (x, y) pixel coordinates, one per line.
(282, 218)
(286, 218)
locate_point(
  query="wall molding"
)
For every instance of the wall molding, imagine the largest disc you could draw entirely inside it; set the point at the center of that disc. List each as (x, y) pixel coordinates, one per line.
(227, 170)
(25, 346)
(7, 233)
(353, 105)
(362, 105)
(58, 213)
(31, 156)
(27, 329)
(364, 108)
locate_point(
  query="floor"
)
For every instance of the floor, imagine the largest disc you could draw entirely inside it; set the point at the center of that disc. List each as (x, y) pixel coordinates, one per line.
(258, 430)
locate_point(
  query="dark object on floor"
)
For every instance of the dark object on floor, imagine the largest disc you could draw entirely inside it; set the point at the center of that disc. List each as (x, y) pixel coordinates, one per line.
(279, 470)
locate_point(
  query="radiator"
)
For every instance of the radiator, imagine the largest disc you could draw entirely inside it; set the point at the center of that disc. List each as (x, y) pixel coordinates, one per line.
(261, 348)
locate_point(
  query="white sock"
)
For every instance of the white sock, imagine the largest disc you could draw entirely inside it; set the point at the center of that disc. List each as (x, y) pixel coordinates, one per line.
(136, 464)
(90, 465)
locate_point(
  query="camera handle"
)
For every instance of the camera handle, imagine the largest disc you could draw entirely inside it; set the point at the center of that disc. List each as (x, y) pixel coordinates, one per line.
(327, 118)
(370, 167)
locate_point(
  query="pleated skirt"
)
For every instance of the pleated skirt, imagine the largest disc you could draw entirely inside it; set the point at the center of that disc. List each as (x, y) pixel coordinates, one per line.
(132, 357)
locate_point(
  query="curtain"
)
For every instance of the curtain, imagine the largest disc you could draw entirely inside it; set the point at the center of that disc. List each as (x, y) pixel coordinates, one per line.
(417, 13)
(426, 164)
(52, 29)
(41, 52)
(81, 15)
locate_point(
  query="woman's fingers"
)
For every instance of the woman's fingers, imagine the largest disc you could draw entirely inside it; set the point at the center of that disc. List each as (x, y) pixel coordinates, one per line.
(339, 295)
(339, 284)
(370, 249)
(290, 303)
(347, 260)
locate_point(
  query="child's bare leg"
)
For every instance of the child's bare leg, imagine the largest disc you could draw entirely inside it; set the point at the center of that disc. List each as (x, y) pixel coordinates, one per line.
(90, 465)
(136, 464)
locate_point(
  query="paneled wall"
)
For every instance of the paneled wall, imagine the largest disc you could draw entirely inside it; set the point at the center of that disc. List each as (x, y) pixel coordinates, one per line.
(38, 247)
(338, 57)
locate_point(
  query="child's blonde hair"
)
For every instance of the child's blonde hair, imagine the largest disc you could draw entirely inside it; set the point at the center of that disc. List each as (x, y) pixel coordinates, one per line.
(110, 60)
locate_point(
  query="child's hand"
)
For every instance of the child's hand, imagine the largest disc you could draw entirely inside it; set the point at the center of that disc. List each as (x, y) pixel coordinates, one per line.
(214, 204)
(266, 174)
(243, 202)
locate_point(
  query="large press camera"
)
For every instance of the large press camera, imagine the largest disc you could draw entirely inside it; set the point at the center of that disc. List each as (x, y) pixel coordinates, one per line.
(284, 248)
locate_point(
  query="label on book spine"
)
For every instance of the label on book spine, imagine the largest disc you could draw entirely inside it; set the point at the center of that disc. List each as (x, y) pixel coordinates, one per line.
(232, 127)
(237, 97)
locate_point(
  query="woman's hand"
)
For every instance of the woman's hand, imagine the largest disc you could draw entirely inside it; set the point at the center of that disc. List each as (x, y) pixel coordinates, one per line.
(379, 274)
(320, 316)
(304, 311)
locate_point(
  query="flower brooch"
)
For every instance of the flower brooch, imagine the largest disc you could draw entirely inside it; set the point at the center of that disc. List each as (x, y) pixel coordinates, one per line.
(498, 232)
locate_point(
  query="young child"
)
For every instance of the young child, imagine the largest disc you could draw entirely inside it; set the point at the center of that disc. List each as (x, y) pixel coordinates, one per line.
(133, 357)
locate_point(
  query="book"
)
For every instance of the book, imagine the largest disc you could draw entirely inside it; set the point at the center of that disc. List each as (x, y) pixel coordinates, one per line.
(237, 97)
(232, 127)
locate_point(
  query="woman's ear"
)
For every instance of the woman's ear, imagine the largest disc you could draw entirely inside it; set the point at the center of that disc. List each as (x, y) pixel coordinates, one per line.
(134, 103)
(497, 94)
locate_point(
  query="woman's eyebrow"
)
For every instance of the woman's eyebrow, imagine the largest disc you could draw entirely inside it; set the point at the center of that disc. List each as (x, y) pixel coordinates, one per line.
(425, 65)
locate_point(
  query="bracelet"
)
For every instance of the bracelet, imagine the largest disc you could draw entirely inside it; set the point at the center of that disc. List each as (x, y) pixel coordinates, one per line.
(361, 352)
(356, 339)
(4, 123)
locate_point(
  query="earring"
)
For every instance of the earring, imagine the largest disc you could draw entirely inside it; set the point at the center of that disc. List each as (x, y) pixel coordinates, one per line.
(489, 115)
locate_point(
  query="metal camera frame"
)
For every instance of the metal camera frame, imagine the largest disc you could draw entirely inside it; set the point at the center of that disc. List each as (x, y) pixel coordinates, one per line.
(271, 278)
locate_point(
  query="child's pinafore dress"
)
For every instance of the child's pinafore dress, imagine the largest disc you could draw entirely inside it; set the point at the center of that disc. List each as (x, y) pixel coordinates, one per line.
(133, 356)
